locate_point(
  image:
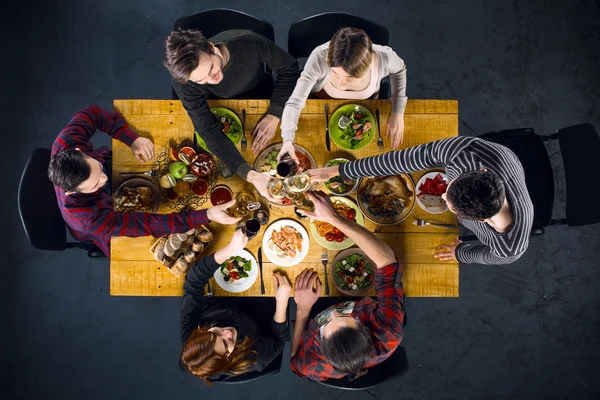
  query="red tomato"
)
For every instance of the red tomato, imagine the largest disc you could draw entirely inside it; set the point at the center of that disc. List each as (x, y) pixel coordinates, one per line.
(351, 213)
(226, 127)
(234, 275)
(340, 237)
(336, 231)
(348, 280)
(358, 115)
(329, 237)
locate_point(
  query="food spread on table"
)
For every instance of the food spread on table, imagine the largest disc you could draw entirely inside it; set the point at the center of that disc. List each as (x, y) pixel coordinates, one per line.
(287, 240)
(330, 232)
(337, 184)
(430, 192)
(134, 198)
(178, 251)
(270, 162)
(221, 194)
(353, 272)
(235, 268)
(181, 174)
(230, 125)
(352, 127)
(386, 200)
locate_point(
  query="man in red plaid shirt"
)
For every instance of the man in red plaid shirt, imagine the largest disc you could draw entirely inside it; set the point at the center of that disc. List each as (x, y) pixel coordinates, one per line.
(348, 338)
(84, 196)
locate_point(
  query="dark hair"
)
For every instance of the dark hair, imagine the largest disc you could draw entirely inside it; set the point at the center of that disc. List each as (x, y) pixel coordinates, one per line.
(348, 350)
(183, 49)
(69, 169)
(477, 194)
(199, 358)
(351, 49)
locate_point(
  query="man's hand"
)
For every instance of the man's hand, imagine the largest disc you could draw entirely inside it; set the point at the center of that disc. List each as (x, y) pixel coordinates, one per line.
(219, 214)
(143, 149)
(288, 148)
(304, 294)
(323, 174)
(264, 132)
(237, 243)
(283, 289)
(261, 182)
(324, 210)
(395, 129)
(450, 253)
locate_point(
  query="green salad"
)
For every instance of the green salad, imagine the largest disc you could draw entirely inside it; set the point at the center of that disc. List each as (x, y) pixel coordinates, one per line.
(353, 272)
(235, 269)
(337, 184)
(355, 127)
(229, 125)
(271, 159)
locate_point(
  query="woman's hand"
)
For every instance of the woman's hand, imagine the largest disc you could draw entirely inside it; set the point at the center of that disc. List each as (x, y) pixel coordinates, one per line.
(283, 288)
(395, 129)
(288, 148)
(323, 174)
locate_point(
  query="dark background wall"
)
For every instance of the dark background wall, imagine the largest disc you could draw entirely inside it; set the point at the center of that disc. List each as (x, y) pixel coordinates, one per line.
(524, 331)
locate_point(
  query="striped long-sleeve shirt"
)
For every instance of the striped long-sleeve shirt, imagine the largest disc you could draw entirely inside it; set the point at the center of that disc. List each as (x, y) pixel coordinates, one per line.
(460, 155)
(90, 216)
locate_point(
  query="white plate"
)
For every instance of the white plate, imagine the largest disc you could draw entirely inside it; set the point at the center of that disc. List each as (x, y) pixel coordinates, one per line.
(274, 254)
(241, 284)
(346, 242)
(431, 210)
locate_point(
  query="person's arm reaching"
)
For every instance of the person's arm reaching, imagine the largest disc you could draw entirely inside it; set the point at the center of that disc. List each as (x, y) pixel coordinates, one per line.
(83, 125)
(270, 347)
(194, 100)
(286, 69)
(134, 224)
(196, 279)
(305, 297)
(430, 155)
(397, 74)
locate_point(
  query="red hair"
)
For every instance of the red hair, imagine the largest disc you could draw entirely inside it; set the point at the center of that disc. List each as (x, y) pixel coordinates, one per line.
(199, 358)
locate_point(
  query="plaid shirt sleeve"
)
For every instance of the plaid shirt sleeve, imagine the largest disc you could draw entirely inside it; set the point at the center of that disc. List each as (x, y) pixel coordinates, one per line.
(83, 125)
(384, 319)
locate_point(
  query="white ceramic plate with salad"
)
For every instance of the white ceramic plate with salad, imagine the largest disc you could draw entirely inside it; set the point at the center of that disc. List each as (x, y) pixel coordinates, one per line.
(238, 273)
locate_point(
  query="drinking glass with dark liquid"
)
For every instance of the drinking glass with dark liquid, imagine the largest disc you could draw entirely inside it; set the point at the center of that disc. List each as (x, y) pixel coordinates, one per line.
(250, 228)
(287, 166)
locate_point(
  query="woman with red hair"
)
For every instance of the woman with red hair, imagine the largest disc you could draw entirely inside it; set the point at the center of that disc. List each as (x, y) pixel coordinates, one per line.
(221, 339)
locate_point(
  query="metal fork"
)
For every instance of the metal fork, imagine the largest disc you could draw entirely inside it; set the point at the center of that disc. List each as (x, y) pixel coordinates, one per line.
(244, 141)
(379, 139)
(325, 260)
(149, 173)
(422, 222)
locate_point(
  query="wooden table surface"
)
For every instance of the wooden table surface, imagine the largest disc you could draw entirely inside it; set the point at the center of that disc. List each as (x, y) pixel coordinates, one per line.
(134, 272)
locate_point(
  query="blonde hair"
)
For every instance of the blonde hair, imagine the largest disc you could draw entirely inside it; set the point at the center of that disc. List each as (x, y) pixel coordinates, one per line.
(351, 49)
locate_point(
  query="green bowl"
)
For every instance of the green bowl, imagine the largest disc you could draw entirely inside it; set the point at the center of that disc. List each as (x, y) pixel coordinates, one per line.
(235, 137)
(340, 138)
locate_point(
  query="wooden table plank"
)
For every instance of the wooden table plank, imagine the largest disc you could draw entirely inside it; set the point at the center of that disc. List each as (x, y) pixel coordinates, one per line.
(147, 278)
(135, 272)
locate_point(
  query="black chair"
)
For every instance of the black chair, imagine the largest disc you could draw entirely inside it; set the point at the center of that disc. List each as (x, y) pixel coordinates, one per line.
(305, 35)
(217, 20)
(394, 366)
(271, 369)
(38, 208)
(212, 22)
(580, 149)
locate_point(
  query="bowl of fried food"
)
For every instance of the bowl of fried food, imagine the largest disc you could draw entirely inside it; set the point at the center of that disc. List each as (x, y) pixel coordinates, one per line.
(137, 194)
(386, 200)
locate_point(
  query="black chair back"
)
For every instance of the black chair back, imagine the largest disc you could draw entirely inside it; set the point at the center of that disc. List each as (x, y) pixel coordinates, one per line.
(531, 151)
(38, 208)
(580, 149)
(311, 32)
(394, 366)
(217, 20)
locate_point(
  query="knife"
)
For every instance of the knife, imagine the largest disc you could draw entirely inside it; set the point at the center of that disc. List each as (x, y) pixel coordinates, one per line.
(262, 283)
(327, 144)
(208, 289)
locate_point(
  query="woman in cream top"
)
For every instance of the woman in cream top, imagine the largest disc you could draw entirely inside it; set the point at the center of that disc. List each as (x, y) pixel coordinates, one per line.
(348, 67)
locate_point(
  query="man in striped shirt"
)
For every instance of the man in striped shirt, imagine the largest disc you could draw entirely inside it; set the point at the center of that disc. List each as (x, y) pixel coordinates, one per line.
(487, 192)
(78, 173)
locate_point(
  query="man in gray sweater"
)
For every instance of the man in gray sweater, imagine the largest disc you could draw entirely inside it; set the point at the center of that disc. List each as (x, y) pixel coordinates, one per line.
(226, 65)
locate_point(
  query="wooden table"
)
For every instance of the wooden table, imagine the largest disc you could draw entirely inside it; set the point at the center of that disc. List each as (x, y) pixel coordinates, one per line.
(134, 272)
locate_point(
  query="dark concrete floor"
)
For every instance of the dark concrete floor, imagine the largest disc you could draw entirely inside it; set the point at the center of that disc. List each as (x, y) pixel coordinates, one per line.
(524, 331)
